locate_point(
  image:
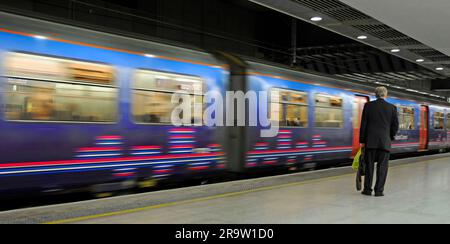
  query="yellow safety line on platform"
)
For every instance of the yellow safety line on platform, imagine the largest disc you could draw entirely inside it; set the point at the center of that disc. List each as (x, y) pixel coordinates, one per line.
(232, 194)
(191, 200)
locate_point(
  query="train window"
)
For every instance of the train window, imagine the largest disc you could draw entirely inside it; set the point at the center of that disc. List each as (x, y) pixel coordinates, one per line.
(43, 89)
(92, 73)
(406, 118)
(55, 69)
(448, 121)
(292, 109)
(356, 118)
(329, 112)
(439, 121)
(152, 96)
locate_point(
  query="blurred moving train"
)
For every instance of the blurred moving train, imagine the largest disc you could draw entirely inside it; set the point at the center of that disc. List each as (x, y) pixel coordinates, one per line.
(85, 109)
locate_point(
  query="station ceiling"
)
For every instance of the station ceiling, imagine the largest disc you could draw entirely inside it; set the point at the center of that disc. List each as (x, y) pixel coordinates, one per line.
(409, 29)
(425, 21)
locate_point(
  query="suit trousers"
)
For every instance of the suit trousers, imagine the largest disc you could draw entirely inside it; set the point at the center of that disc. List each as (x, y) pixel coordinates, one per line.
(382, 158)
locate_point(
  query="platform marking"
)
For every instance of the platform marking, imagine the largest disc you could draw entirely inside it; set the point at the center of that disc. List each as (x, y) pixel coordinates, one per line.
(202, 199)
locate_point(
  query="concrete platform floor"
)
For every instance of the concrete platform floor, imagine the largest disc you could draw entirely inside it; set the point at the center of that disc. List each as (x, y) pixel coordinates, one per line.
(415, 193)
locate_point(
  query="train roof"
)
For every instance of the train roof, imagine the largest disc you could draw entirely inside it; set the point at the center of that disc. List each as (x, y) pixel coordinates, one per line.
(114, 40)
(87, 35)
(259, 67)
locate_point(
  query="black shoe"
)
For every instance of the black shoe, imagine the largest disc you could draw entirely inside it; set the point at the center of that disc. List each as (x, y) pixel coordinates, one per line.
(366, 193)
(379, 194)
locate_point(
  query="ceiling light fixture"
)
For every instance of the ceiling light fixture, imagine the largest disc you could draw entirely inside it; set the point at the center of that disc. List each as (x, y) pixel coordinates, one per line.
(395, 50)
(420, 60)
(362, 37)
(439, 68)
(316, 19)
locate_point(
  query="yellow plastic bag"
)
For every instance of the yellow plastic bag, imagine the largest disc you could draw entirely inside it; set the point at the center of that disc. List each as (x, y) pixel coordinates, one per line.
(355, 165)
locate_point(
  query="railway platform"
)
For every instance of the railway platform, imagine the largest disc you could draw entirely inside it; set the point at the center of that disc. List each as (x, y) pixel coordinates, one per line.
(417, 191)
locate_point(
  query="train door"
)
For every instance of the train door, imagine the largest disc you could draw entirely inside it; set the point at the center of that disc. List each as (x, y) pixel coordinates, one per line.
(424, 115)
(358, 107)
(235, 141)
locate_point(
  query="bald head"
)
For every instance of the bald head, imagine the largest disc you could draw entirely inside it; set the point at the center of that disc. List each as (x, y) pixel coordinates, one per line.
(381, 92)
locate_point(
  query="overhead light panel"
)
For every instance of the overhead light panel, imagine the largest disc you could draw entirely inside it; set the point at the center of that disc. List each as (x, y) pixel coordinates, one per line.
(420, 60)
(395, 50)
(40, 37)
(316, 19)
(362, 37)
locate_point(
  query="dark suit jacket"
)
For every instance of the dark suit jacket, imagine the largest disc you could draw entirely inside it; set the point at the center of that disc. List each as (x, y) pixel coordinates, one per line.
(379, 125)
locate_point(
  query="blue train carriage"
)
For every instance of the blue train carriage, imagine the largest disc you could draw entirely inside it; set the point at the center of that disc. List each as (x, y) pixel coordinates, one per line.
(409, 116)
(439, 127)
(92, 109)
(315, 120)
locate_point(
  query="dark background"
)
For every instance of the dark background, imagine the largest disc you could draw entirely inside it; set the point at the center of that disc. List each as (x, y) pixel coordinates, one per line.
(237, 26)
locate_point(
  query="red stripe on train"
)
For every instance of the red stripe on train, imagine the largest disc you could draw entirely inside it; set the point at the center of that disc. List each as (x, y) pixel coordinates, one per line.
(284, 143)
(181, 130)
(199, 168)
(182, 146)
(269, 162)
(123, 174)
(299, 150)
(110, 160)
(181, 137)
(98, 149)
(302, 143)
(109, 138)
(284, 137)
(146, 148)
(162, 171)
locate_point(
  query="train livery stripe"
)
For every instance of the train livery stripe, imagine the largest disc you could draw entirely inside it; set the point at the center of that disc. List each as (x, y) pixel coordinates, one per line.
(302, 81)
(109, 138)
(99, 149)
(139, 148)
(298, 150)
(110, 48)
(292, 152)
(405, 144)
(300, 153)
(111, 165)
(109, 160)
(32, 167)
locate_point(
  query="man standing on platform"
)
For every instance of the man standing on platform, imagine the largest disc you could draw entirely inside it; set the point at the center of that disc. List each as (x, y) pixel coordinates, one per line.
(378, 129)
